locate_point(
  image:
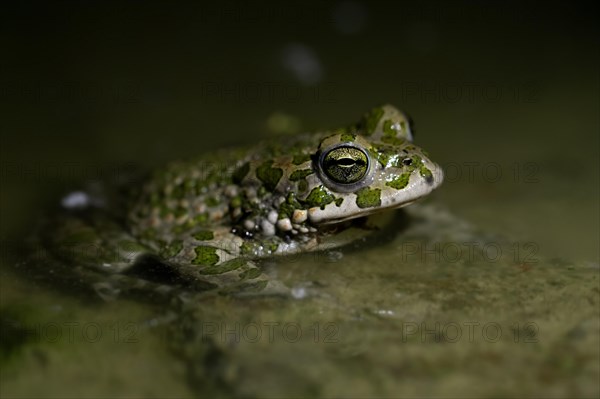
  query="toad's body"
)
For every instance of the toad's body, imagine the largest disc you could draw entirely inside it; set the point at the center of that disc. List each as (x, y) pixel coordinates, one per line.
(208, 217)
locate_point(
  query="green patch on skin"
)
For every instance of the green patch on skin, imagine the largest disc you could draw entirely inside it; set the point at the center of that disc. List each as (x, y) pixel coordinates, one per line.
(392, 140)
(178, 192)
(381, 158)
(203, 235)
(300, 159)
(368, 198)
(224, 267)
(388, 130)
(212, 201)
(404, 127)
(205, 255)
(302, 185)
(426, 173)
(416, 161)
(300, 174)
(164, 211)
(248, 248)
(262, 191)
(347, 137)
(386, 155)
(399, 182)
(371, 119)
(287, 208)
(271, 246)
(201, 218)
(319, 197)
(250, 274)
(149, 234)
(268, 175)
(172, 249)
(398, 162)
(338, 202)
(236, 202)
(216, 175)
(180, 211)
(240, 173)
(182, 227)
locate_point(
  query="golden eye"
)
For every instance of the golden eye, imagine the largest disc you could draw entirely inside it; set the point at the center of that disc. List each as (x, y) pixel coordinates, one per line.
(345, 165)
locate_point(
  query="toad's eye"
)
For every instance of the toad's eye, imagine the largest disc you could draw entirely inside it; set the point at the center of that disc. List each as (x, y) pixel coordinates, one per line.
(345, 165)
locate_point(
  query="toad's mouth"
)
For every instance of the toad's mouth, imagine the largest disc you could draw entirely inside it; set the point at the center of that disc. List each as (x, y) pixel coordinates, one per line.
(337, 226)
(357, 220)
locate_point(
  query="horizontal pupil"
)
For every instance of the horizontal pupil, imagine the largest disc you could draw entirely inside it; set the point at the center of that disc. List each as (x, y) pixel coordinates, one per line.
(346, 162)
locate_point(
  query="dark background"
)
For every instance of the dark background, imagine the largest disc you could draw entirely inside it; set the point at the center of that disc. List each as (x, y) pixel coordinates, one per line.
(87, 88)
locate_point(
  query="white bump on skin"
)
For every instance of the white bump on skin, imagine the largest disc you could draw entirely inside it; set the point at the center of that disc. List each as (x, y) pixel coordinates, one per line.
(272, 217)
(231, 191)
(267, 227)
(251, 192)
(313, 214)
(299, 216)
(284, 224)
(249, 224)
